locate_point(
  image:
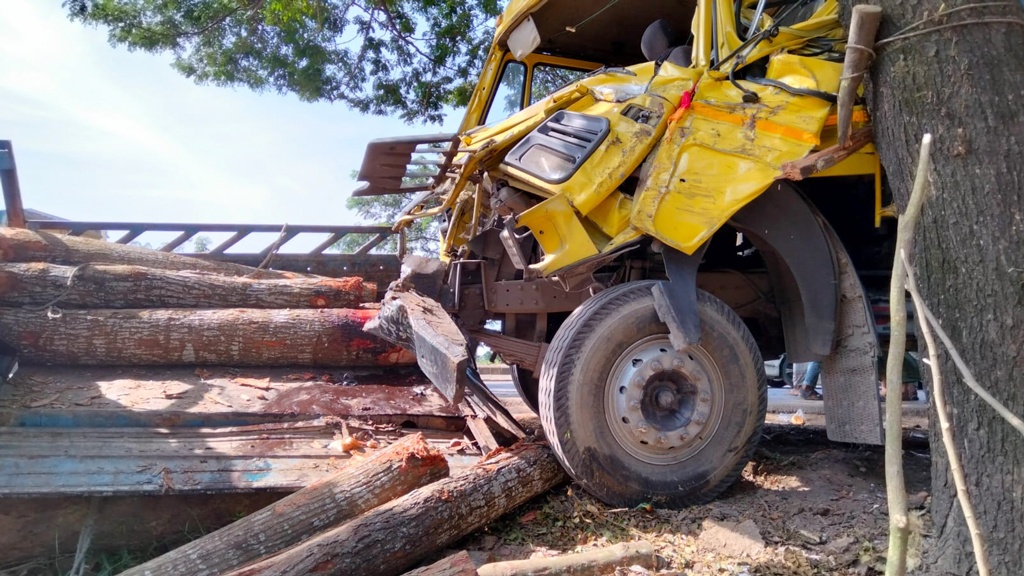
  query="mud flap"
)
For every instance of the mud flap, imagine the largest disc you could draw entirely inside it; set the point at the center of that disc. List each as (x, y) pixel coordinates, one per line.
(853, 411)
(421, 325)
(675, 299)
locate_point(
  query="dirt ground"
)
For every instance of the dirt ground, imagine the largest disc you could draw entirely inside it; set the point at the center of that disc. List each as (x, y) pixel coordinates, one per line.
(804, 506)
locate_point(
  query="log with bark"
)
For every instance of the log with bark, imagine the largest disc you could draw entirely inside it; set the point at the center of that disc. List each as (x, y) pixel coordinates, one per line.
(963, 83)
(388, 474)
(230, 336)
(120, 286)
(20, 245)
(592, 563)
(455, 565)
(396, 535)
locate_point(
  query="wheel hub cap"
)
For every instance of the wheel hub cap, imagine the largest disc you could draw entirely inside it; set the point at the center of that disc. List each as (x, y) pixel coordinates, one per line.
(662, 405)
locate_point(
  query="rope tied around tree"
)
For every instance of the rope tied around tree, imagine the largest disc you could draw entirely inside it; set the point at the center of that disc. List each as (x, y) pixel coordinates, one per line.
(906, 33)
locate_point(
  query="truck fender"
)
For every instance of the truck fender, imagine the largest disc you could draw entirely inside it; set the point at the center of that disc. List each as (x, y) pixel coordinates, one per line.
(791, 236)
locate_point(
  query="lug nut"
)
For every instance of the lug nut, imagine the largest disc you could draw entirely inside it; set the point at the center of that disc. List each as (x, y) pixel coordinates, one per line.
(684, 437)
(704, 398)
(699, 421)
(656, 366)
(635, 404)
(641, 427)
(677, 363)
(638, 381)
(660, 439)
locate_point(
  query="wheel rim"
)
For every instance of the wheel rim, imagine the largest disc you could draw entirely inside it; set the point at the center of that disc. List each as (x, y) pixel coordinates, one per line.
(663, 406)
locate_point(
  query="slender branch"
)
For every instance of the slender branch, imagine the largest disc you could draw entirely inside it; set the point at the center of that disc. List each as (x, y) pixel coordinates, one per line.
(939, 396)
(968, 377)
(899, 530)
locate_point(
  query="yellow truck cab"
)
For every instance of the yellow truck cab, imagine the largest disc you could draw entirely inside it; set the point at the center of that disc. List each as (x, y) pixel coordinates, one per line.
(629, 197)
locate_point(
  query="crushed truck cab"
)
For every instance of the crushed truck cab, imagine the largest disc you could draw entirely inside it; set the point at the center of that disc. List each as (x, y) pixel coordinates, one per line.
(620, 199)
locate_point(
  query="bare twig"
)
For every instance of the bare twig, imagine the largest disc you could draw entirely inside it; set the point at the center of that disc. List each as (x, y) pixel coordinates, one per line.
(899, 528)
(939, 395)
(273, 249)
(85, 538)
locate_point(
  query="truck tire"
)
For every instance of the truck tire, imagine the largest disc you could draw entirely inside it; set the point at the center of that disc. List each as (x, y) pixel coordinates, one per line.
(526, 384)
(633, 420)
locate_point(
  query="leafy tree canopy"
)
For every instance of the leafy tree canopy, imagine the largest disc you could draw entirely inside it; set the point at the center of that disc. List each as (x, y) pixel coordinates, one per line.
(405, 58)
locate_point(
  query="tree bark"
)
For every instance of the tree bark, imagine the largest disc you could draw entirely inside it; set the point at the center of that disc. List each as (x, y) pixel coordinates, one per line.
(393, 537)
(592, 563)
(118, 286)
(455, 565)
(965, 85)
(231, 337)
(363, 485)
(18, 245)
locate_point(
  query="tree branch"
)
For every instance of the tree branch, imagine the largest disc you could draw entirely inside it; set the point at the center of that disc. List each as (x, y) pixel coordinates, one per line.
(899, 529)
(939, 396)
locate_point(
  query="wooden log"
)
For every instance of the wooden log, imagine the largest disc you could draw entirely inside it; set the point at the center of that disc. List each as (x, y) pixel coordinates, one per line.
(455, 565)
(118, 286)
(388, 474)
(396, 535)
(230, 337)
(859, 53)
(592, 563)
(17, 245)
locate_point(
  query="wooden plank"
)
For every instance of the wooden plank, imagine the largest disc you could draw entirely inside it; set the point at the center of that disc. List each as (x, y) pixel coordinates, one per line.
(288, 456)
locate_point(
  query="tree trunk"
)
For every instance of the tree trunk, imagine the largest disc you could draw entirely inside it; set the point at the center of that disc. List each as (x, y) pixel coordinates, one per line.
(231, 337)
(19, 245)
(397, 470)
(117, 286)
(965, 85)
(455, 565)
(395, 536)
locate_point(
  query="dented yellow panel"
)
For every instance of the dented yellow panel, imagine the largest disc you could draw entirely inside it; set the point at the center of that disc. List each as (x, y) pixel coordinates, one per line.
(611, 216)
(614, 160)
(559, 232)
(723, 152)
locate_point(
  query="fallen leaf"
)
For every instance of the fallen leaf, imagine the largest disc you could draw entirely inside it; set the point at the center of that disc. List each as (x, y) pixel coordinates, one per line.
(203, 374)
(348, 444)
(174, 395)
(44, 401)
(261, 396)
(301, 376)
(373, 445)
(528, 517)
(261, 383)
(216, 400)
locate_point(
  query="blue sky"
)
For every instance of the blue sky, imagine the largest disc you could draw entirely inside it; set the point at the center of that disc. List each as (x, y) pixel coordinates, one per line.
(101, 133)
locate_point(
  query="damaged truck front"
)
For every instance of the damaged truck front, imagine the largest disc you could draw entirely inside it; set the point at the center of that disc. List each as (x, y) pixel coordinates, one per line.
(634, 235)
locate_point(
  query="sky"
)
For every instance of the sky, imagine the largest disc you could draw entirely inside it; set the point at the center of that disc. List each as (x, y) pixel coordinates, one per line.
(101, 133)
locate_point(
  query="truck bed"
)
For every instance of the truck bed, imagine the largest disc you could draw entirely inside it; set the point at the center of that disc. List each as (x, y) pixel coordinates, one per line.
(137, 431)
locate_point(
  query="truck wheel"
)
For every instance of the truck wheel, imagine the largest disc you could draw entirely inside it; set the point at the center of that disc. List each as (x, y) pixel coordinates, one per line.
(526, 384)
(632, 419)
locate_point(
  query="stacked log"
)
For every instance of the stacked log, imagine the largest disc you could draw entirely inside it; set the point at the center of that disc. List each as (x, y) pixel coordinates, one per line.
(395, 536)
(119, 286)
(78, 301)
(227, 336)
(361, 486)
(20, 245)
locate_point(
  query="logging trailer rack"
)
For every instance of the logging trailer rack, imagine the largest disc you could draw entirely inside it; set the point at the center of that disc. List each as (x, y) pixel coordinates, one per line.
(178, 436)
